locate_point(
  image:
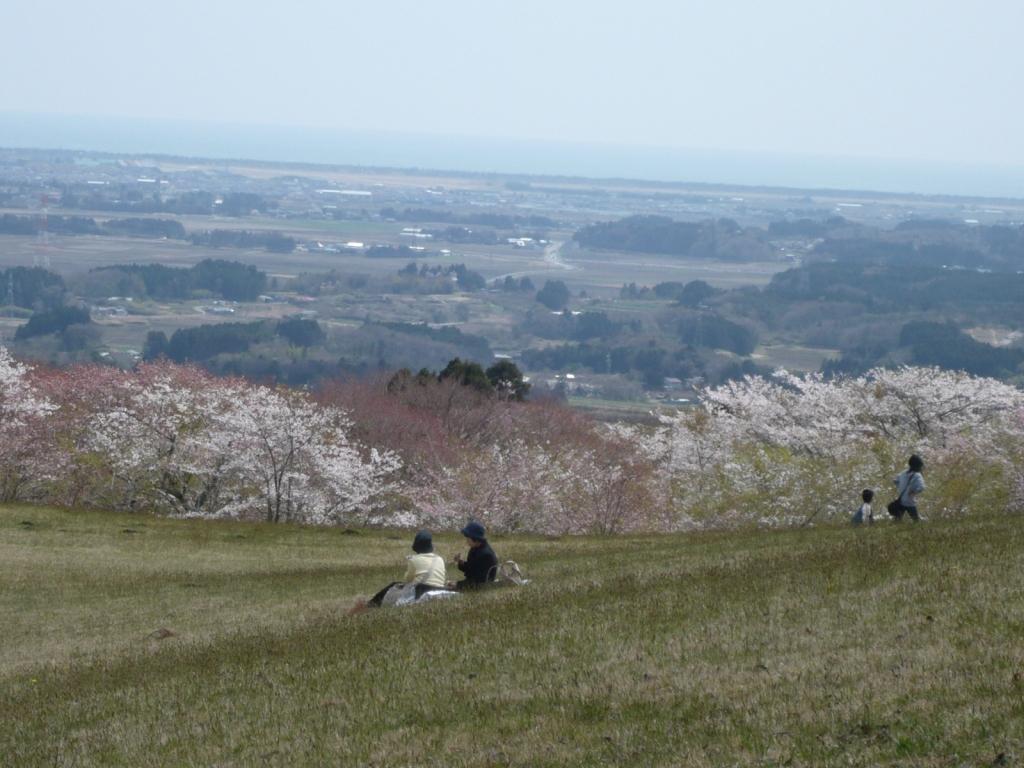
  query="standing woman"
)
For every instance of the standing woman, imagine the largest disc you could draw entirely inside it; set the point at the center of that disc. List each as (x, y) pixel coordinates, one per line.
(910, 483)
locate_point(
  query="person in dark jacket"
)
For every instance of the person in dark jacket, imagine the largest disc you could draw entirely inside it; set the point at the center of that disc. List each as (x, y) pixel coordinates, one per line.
(481, 564)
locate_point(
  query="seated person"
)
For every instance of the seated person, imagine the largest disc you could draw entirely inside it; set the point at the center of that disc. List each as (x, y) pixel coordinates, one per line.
(481, 564)
(426, 570)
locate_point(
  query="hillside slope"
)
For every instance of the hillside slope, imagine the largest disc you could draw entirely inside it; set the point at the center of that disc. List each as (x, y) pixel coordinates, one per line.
(897, 645)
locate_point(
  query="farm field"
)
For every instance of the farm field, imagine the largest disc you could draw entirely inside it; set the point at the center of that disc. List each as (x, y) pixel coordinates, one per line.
(894, 645)
(793, 357)
(494, 316)
(607, 271)
(620, 410)
(74, 255)
(602, 273)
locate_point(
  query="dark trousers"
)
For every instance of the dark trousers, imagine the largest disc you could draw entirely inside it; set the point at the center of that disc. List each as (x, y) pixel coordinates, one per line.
(379, 597)
(912, 511)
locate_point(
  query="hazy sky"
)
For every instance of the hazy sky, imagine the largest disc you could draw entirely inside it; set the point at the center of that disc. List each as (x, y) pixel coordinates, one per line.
(933, 80)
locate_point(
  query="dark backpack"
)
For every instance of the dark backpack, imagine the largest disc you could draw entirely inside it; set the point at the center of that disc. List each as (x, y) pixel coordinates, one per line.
(896, 506)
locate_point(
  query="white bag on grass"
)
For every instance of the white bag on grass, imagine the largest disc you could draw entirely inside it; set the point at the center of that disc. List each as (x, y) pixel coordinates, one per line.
(509, 572)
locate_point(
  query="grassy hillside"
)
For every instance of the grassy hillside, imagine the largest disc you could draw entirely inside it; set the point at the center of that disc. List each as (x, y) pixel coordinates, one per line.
(889, 646)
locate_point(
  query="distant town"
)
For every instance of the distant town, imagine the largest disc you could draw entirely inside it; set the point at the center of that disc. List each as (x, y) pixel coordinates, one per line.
(618, 295)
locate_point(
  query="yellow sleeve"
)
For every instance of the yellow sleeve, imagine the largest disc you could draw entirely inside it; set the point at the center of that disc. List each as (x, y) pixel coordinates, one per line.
(410, 572)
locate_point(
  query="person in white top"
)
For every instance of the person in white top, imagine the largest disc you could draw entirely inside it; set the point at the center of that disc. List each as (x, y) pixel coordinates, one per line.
(909, 484)
(425, 569)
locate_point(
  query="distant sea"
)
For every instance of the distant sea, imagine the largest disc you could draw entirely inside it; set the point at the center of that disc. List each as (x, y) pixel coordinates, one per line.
(461, 153)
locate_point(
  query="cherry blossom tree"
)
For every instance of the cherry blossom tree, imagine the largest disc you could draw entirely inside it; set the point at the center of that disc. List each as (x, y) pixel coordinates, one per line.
(157, 435)
(782, 448)
(181, 441)
(24, 413)
(294, 458)
(81, 475)
(771, 450)
(549, 470)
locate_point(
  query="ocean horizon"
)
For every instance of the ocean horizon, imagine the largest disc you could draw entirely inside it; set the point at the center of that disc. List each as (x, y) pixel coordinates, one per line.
(285, 144)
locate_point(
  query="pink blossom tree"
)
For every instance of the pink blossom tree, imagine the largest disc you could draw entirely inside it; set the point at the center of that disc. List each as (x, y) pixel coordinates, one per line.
(544, 469)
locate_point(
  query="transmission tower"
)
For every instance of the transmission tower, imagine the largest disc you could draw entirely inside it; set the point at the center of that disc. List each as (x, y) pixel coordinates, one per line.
(41, 258)
(10, 293)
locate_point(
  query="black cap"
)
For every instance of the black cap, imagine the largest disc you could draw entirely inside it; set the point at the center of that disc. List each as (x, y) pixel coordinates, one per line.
(423, 543)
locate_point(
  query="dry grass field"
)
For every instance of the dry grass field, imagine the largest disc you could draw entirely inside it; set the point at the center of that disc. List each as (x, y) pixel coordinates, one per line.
(894, 645)
(793, 357)
(74, 255)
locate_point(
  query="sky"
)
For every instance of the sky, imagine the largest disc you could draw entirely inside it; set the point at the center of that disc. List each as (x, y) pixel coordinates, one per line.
(934, 81)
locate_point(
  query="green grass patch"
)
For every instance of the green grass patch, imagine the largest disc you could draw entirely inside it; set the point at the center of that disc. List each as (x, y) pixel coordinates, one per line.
(896, 645)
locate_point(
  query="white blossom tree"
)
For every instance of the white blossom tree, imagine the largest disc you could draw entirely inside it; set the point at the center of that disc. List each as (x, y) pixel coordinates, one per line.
(24, 437)
(781, 448)
(294, 459)
(188, 443)
(157, 433)
(543, 487)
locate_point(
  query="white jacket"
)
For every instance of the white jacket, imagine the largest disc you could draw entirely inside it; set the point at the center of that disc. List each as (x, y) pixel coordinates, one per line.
(909, 484)
(426, 568)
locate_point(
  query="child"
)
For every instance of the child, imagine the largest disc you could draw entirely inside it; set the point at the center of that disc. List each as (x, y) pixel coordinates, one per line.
(863, 514)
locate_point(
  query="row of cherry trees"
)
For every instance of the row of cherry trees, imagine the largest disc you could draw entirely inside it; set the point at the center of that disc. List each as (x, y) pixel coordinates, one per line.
(787, 449)
(538, 467)
(173, 439)
(776, 450)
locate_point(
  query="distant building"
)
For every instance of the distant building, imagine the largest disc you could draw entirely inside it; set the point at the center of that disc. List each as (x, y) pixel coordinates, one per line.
(345, 192)
(109, 311)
